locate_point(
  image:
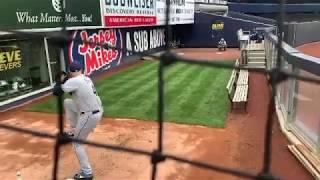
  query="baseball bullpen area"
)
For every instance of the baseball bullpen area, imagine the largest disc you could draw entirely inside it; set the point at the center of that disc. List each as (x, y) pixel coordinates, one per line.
(175, 107)
(238, 145)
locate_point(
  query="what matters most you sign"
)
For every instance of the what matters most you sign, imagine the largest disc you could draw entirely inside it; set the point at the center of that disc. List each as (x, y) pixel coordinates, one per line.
(26, 14)
(89, 14)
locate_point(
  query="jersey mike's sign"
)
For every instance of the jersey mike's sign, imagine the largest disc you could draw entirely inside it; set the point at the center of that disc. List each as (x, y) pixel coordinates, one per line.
(27, 14)
(124, 13)
(87, 48)
(91, 49)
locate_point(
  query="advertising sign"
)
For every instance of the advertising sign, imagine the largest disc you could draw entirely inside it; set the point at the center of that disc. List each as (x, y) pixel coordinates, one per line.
(10, 59)
(26, 14)
(124, 13)
(95, 56)
(181, 12)
(145, 39)
(217, 25)
(129, 41)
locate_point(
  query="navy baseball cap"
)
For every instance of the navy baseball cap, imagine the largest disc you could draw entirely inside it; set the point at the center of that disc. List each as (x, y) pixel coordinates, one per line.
(75, 66)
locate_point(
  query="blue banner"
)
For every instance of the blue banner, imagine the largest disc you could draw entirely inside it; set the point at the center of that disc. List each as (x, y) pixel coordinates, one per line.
(129, 41)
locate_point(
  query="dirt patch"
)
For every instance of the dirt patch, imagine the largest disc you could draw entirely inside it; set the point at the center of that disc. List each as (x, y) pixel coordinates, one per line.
(28, 153)
(284, 164)
(209, 53)
(311, 49)
(239, 145)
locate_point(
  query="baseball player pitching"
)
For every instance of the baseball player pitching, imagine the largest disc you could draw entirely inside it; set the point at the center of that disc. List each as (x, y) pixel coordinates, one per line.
(84, 111)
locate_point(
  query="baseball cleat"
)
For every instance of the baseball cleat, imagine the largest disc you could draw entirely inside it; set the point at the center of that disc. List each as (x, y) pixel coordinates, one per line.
(83, 176)
(68, 134)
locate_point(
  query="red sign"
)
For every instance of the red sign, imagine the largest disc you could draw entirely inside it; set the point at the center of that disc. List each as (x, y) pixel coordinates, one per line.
(91, 49)
(126, 13)
(129, 20)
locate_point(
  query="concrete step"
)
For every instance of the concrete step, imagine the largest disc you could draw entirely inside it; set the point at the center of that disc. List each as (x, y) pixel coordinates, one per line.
(256, 67)
(255, 63)
(256, 58)
(256, 50)
(253, 46)
(258, 53)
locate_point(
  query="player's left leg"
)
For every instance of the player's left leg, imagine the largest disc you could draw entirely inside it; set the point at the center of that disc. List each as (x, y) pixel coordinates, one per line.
(84, 126)
(71, 113)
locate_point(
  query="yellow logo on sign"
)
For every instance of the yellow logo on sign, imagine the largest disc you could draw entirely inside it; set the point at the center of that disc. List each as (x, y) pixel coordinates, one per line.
(10, 60)
(217, 26)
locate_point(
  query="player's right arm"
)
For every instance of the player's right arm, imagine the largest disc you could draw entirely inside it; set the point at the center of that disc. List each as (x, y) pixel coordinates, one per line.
(70, 85)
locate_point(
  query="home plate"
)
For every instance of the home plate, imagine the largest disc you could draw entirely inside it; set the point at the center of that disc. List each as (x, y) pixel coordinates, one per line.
(181, 53)
(218, 52)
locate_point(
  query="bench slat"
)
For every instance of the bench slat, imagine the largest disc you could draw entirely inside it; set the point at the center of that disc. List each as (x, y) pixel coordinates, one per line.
(237, 62)
(241, 93)
(243, 77)
(231, 80)
(238, 85)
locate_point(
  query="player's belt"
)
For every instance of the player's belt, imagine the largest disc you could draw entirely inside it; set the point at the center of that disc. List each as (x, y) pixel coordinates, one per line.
(93, 112)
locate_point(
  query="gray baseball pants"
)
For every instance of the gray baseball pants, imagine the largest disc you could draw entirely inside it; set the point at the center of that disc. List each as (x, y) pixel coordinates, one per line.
(82, 124)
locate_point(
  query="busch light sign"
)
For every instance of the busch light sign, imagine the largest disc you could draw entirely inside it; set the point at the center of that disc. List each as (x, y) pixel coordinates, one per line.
(91, 49)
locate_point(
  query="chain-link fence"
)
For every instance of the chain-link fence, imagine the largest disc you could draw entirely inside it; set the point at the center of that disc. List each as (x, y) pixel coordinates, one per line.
(276, 71)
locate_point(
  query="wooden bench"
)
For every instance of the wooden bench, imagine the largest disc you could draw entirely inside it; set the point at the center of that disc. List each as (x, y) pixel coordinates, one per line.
(243, 77)
(240, 97)
(237, 88)
(232, 80)
(234, 75)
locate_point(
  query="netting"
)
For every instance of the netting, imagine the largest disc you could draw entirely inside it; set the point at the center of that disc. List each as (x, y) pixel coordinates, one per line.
(275, 74)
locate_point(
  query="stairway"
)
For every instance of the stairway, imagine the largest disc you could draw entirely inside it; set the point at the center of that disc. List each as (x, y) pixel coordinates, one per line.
(256, 55)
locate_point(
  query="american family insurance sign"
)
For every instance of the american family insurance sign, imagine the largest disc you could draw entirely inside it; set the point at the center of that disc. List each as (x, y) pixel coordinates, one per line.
(125, 13)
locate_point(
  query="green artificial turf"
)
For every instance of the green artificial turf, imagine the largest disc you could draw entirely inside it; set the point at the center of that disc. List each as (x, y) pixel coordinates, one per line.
(194, 94)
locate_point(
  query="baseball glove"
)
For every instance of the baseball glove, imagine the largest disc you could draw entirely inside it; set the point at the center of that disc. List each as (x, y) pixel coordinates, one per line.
(61, 77)
(57, 91)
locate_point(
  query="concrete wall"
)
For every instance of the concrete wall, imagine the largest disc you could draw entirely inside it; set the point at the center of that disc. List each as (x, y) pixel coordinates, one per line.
(273, 7)
(297, 34)
(306, 33)
(208, 29)
(252, 18)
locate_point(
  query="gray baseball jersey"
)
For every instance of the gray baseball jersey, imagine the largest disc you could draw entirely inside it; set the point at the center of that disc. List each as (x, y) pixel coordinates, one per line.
(84, 93)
